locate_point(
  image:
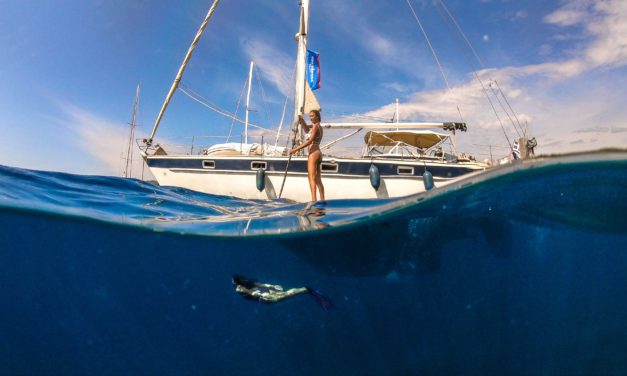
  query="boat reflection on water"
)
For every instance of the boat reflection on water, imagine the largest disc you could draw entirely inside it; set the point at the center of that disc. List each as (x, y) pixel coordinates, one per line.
(251, 219)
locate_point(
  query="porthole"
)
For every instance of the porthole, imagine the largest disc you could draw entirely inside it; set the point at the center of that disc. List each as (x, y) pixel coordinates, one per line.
(328, 167)
(405, 170)
(258, 165)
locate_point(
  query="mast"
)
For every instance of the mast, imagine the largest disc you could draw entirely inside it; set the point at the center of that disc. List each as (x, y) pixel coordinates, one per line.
(398, 115)
(250, 81)
(129, 152)
(301, 56)
(179, 75)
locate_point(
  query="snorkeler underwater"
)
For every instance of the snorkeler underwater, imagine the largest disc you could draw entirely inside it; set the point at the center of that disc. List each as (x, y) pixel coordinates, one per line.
(268, 293)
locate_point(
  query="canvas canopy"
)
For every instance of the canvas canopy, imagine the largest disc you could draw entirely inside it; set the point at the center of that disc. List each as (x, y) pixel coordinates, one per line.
(420, 139)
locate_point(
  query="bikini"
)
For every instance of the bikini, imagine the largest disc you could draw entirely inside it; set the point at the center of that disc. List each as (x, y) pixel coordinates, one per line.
(318, 138)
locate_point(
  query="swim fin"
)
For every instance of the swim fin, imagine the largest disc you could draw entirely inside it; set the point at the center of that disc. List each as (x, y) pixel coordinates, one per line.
(322, 300)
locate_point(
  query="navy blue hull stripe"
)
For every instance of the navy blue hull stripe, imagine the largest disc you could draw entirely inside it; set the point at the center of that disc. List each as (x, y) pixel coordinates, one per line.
(356, 168)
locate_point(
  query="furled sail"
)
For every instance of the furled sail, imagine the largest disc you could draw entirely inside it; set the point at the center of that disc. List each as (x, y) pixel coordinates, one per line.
(311, 102)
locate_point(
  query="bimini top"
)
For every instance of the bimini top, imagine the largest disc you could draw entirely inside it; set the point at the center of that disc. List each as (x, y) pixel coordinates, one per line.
(422, 139)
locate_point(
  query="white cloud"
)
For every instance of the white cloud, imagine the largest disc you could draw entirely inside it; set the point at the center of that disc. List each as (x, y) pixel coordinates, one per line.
(566, 17)
(519, 15)
(610, 45)
(276, 65)
(603, 21)
(384, 50)
(397, 87)
(103, 140)
(545, 49)
(551, 97)
(381, 45)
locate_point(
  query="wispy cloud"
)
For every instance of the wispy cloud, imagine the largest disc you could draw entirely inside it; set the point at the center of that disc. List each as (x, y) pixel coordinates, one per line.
(604, 23)
(275, 65)
(546, 96)
(571, 14)
(382, 49)
(519, 15)
(104, 140)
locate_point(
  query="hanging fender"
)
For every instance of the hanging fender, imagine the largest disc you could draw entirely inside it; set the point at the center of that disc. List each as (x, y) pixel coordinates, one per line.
(375, 177)
(261, 179)
(427, 179)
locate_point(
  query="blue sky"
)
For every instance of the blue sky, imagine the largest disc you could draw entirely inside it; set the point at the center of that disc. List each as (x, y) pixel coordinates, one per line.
(69, 70)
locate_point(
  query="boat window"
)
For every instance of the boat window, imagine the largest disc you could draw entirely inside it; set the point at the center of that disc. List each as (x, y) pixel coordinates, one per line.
(208, 164)
(405, 170)
(328, 167)
(258, 165)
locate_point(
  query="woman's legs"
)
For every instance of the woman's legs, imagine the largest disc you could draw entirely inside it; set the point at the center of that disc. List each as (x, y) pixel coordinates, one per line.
(312, 171)
(319, 179)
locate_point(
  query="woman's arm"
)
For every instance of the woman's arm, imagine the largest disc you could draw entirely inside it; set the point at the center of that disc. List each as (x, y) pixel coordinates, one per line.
(302, 146)
(311, 138)
(303, 123)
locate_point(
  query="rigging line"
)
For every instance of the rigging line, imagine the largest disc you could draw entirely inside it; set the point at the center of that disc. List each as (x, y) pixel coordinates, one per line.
(470, 46)
(218, 110)
(278, 133)
(459, 29)
(294, 131)
(435, 56)
(129, 153)
(335, 114)
(263, 96)
(237, 109)
(340, 139)
(287, 96)
(496, 95)
(358, 116)
(206, 101)
(508, 105)
(474, 72)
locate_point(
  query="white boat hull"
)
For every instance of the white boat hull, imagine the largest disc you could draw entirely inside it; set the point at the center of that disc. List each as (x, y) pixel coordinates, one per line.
(242, 183)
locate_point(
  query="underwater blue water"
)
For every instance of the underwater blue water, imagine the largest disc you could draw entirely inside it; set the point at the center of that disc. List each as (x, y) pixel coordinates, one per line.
(521, 270)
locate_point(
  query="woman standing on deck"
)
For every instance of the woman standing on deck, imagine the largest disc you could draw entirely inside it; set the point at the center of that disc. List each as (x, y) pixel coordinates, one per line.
(314, 137)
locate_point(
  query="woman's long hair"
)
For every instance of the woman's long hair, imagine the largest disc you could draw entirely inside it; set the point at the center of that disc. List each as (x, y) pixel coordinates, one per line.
(317, 112)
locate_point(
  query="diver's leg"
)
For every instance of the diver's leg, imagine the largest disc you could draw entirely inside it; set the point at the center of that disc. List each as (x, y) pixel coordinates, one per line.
(277, 296)
(295, 291)
(311, 170)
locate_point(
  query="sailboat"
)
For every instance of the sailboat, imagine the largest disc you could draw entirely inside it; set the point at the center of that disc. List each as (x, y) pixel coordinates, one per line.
(397, 159)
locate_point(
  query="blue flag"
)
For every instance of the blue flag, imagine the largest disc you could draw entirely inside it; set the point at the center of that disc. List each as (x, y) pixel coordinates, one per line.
(313, 70)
